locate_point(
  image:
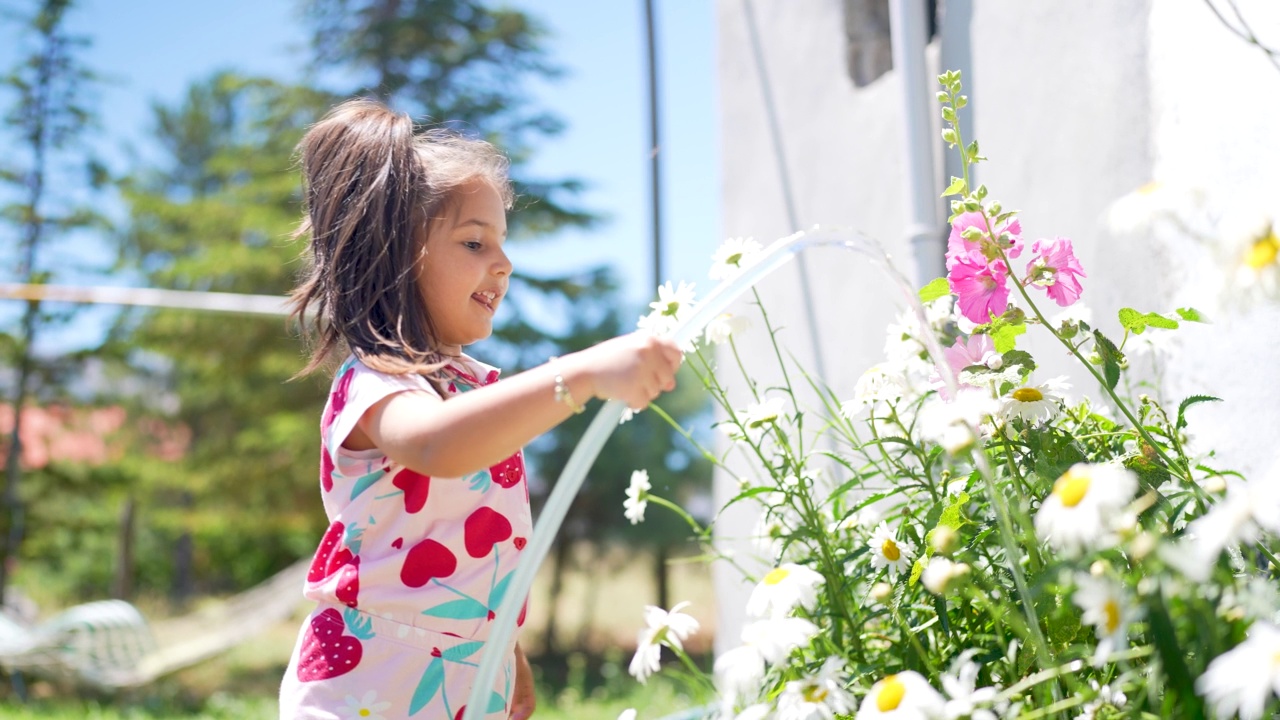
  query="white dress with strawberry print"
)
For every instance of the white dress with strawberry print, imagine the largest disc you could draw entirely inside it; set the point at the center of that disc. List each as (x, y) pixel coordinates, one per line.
(409, 575)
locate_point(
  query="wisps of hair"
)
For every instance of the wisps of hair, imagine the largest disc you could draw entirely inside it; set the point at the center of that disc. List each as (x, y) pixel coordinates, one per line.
(371, 185)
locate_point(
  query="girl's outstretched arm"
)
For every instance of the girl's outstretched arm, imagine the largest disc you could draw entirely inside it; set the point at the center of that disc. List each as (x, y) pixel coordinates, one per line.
(481, 428)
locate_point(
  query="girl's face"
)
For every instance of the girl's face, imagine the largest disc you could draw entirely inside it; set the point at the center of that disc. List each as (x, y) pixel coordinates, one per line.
(463, 272)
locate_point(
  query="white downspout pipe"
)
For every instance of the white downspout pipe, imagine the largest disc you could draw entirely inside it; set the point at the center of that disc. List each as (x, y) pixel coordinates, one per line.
(907, 26)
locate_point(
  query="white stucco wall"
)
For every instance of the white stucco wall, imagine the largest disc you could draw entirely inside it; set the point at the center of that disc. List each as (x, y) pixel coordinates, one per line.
(1076, 104)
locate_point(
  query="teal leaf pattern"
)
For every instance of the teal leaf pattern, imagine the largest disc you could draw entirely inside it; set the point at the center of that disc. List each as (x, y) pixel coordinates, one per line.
(481, 481)
(358, 623)
(496, 704)
(364, 482)
(462, 651)
(430, 684)
(499, 592)
(463, 609)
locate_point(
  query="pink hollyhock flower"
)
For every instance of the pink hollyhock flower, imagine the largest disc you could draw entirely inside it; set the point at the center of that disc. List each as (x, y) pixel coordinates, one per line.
(976, 350)
(958, 246)
(980, 287)
(1056, 270)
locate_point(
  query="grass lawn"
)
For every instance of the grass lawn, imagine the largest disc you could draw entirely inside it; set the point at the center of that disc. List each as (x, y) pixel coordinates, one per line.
(598, 614)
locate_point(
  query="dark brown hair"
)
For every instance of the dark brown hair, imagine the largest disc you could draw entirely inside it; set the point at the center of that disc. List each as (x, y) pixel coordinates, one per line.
(372, 184)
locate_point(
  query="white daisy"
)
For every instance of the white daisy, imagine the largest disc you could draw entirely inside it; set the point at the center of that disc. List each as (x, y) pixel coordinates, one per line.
(1250, 249)
(883, 383)
(1106, 697)
(759, 711)
(775, 638)
(1107, 609)
(887, 551)
(783, 589)
(1248, 508)
(628, 714)
(1243, 679)
(662, 627)
(1137, 212)
(905, 696)
(941, 573)
(725, 326)
(1083, 506)
(817, 696)
(674, 302)
(733, 255)
(762, 414)
(739, 672)
(1035, 403)
(964, 695)
(951, 424)
(366, 708)
(637, 494)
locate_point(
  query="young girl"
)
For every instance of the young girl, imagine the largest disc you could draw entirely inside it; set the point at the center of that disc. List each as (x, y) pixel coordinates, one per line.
(421, 470)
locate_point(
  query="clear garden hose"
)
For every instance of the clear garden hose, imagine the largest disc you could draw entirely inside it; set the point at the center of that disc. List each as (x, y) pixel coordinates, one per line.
(606, 420)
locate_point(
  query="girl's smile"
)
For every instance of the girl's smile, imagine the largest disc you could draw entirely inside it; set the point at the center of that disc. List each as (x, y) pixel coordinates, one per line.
(464, 271)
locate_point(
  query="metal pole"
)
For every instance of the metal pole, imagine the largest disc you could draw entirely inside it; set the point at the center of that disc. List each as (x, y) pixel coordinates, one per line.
(655, 165)
(924, 230)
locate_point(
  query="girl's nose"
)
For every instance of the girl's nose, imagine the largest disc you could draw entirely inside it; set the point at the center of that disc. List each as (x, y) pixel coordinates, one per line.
(503, 265)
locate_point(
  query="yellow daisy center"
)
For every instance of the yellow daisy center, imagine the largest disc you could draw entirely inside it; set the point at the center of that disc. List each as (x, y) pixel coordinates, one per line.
(815, 694)
(891, 693)
(890, 550)
(1071, 488)
(733, 259)
(364, 712)
(1028, 395)
(1263, 252)
(1112, 610)
(776, 576)
(673, 307)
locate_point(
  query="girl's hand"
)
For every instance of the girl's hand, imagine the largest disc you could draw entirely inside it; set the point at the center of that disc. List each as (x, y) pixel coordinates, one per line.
(522, 699)
(633, 368)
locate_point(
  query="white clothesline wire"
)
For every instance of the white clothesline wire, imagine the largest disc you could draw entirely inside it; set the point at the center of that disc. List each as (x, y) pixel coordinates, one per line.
(148, 297)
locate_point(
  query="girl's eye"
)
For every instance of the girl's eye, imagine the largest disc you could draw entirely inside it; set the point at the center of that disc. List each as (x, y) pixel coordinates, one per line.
(472, 244)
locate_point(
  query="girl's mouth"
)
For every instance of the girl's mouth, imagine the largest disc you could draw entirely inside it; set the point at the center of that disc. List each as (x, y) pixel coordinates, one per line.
(485, 298)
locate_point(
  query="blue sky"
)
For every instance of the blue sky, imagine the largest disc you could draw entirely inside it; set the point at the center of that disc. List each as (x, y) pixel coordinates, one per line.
(150, 50)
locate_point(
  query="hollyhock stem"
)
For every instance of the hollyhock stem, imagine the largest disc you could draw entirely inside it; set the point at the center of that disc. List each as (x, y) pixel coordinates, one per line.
(1088, 366)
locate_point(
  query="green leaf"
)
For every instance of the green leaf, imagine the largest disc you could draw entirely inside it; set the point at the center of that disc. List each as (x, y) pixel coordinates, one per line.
(1132, 320)
(1157, 320)
(953, 515)
(499, 591)
(1194, 399)
(1192, 315)
(938, 287)
(1111, 358)
(957, 187)
(916, 570)
(1005, 336)
(1172, 656)
(1019, 357)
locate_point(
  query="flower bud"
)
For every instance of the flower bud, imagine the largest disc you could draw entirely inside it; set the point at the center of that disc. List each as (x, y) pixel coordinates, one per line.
(1215, 484)
(881, 592)
(944, 540)
(1142, 546)
(1099, 568)
(994, 362)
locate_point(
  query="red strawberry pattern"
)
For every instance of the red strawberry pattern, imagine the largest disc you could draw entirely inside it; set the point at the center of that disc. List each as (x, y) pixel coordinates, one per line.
(338, 399)
(330, 556)
(509, 472)
(485, 528)
(326, 470)
(326, 652)
(416, 487)
(349, 583)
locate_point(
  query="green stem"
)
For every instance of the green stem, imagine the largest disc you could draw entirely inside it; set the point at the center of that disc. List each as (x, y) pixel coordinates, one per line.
(658, 500)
